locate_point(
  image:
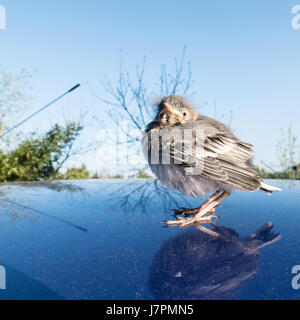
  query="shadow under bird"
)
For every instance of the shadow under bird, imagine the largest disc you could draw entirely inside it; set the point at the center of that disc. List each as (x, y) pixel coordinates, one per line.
(221, 164)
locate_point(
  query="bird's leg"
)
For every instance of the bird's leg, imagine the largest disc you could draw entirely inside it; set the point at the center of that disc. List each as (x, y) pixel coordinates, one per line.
(188, 212)
(202, 216)
(213, 204)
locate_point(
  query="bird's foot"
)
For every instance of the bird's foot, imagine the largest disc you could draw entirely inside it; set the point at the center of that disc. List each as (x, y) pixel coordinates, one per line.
(189, 212)
(204, 214)
(207, 217)
(185, 211)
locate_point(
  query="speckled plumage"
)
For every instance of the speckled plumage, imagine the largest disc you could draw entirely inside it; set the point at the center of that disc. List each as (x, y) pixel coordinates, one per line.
(225, 160)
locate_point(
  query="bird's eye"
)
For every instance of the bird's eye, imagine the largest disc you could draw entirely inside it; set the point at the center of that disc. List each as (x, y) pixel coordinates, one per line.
(184, 114)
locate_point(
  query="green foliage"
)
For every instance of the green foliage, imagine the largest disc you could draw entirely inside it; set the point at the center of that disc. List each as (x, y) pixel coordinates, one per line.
(288, 150)
(39, 158)
(14, 99)
(117, 176)
(77, 173)
(143, 175)
(286, 175)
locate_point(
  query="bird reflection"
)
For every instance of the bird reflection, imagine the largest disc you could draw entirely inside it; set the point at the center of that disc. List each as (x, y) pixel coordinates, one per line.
(196, 265)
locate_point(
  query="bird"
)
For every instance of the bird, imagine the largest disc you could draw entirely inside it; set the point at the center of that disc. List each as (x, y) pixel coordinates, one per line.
(198, 156)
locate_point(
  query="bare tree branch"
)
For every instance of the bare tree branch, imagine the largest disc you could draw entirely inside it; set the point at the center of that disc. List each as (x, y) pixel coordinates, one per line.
(130, 100)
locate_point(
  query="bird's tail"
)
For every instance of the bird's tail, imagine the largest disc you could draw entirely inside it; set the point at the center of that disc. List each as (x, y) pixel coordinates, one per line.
(269, 189)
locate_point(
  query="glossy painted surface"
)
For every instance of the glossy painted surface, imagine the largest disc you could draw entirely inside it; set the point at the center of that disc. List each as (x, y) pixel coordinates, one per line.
(125, 253)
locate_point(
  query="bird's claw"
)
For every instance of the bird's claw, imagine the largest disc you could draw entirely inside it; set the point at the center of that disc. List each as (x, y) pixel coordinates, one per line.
(185, 211)
(186, 222)
(203, 214)
(188, 212)
(179, 211)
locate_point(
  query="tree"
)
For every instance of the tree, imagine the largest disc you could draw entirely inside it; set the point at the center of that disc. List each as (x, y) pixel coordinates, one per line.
(40, 158)
(77, 173)
(129, 102)
(288, 155)
(143, 175)
(264, 174)
(14, 99)
(288, 152)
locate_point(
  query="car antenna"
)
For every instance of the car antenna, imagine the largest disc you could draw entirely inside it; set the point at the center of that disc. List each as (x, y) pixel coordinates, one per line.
(18, 125)
(5, 199)
(40, 110)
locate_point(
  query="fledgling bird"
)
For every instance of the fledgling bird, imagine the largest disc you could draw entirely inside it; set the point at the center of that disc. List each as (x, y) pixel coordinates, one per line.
(222, 164)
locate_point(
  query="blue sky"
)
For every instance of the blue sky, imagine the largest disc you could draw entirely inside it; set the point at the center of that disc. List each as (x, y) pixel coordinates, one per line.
(244, 54)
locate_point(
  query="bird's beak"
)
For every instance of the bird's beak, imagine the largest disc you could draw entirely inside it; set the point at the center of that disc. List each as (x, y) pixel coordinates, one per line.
(169, 109)
(172, 114)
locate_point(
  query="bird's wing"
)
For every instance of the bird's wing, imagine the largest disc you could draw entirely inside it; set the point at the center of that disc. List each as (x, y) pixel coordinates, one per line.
(220, 157)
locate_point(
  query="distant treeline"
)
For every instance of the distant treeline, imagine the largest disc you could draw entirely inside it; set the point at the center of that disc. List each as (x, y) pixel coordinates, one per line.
(140, 175)
(285, 175)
